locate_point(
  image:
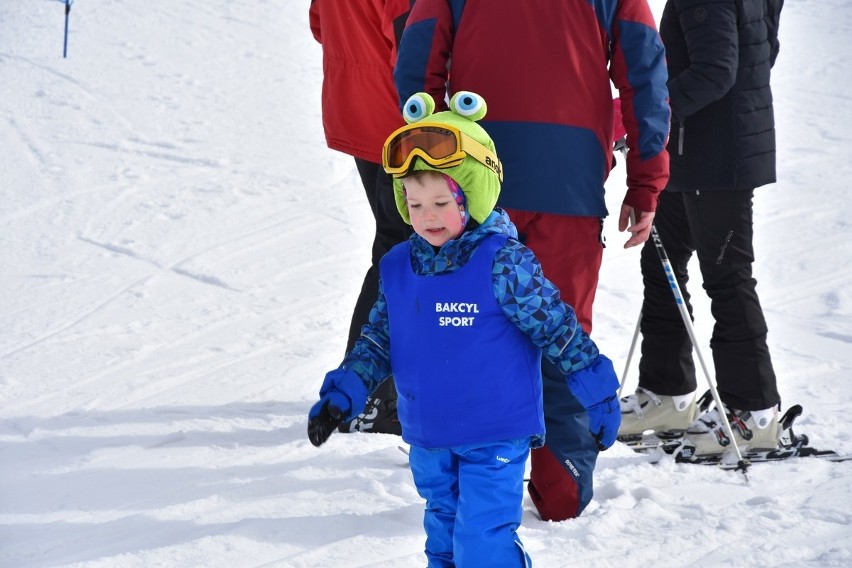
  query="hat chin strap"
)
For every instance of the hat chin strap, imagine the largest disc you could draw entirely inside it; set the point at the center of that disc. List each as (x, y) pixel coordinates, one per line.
(460, 198)
(463, 227)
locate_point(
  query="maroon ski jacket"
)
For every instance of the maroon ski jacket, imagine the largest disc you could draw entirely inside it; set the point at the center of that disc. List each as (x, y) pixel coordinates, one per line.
(545, 68)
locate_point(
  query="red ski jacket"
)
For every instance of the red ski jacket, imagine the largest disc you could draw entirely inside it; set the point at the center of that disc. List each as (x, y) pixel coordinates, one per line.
(546, 68)
(359, 44)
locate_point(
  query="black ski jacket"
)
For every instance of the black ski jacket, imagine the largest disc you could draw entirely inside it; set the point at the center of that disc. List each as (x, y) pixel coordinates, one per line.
(719, 55)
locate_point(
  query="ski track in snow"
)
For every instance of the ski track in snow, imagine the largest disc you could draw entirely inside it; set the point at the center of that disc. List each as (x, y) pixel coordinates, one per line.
(180, 254)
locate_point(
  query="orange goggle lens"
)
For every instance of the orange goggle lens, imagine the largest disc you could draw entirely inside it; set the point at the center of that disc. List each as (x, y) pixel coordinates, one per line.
(438, 143)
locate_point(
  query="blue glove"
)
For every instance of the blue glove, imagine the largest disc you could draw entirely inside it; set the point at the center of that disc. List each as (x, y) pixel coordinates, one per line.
(342, 396)
(604, 421)
(596, 387)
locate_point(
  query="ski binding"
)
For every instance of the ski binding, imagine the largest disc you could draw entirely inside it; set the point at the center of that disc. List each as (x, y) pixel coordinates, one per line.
(791, 445)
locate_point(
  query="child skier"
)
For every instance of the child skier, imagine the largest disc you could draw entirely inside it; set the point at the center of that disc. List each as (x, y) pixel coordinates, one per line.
(463, 317)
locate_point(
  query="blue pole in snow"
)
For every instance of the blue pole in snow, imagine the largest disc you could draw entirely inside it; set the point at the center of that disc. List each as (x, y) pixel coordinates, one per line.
(65, 45)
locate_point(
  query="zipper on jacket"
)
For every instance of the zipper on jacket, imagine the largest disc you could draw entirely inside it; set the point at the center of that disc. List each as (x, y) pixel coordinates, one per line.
(680, 130)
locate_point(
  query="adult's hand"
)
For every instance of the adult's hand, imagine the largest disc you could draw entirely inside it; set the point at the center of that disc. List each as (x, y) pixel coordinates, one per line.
(637, 223)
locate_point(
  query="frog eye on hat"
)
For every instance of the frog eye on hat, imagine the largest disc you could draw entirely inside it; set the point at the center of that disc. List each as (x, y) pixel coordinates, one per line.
(417, 107)
(469, 105)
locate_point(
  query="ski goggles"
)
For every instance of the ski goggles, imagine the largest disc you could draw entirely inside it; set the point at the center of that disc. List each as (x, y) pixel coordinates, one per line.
(440, 145)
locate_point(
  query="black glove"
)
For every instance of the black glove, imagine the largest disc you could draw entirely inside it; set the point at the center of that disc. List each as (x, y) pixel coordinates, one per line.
(339, 389)
(322, 423)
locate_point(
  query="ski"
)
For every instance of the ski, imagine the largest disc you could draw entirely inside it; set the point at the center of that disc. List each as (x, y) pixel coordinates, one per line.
(791, 445)
(782, 454)
(647, 443)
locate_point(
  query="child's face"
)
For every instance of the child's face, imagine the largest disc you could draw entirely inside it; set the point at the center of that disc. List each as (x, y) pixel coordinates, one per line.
(433, 210)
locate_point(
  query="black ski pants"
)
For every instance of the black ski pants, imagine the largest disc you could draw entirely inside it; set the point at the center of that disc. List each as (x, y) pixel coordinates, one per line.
(390, 230)
(717, 225)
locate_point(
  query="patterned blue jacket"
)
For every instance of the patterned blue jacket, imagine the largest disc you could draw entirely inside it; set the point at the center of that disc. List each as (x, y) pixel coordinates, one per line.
(525, 295)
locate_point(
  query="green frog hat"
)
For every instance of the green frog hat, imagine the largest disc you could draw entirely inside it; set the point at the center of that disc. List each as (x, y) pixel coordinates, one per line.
(448, 142)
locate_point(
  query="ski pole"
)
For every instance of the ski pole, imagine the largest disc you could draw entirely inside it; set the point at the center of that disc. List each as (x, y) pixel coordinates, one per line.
(630, 355)
(65, 43)
(687, 321)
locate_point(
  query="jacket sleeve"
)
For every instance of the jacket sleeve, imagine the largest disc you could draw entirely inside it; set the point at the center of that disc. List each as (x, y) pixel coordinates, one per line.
(394, 14)
(370, 356)
(773, 20)
(397, 13)
(424, 52)
(314, 19)
(638, 70)
(712, 44)
(532, 303)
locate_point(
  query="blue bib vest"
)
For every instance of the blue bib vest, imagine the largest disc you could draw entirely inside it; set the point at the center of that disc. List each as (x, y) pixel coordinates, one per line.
(464, 372)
